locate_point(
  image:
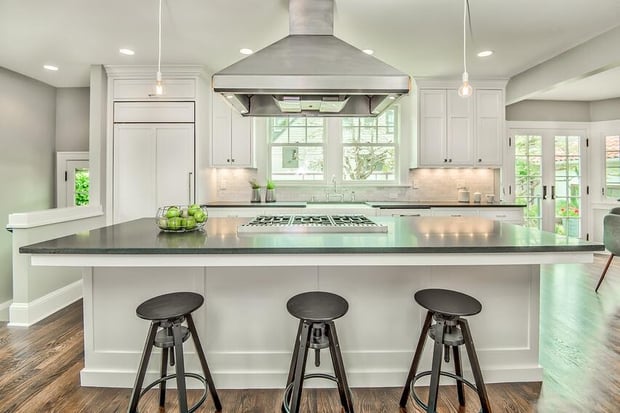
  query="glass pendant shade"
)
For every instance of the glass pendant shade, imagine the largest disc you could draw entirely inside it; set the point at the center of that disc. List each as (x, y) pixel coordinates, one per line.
(159, 86)
(465, 90)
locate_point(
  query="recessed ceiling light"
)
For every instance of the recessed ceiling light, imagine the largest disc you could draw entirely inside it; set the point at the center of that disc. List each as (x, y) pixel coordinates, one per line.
(485, 53)
(50, 67)
(368, 51)
(127, 52)
(245, 51)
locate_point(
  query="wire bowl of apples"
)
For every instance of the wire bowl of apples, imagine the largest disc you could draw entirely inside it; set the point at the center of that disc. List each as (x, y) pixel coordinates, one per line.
(181, 218)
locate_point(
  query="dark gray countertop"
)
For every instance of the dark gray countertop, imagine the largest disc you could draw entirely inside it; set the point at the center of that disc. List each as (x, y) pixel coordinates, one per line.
(230, 204)
(374, 204)
(405, 235)
(438, 204)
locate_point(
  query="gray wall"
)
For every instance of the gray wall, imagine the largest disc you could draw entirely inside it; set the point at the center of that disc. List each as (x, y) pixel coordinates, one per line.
(608, 109)
(549, 110)
(27, 129)
(72, 104)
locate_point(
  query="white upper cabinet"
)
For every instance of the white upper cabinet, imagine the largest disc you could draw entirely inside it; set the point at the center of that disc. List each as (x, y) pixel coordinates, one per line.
(145, 89)
(489, 126)
(455, 131)
(231, 139)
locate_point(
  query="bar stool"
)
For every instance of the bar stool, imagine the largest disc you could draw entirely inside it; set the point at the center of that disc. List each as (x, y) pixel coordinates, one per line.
(316, 311)
(449, 332)
(167, 313)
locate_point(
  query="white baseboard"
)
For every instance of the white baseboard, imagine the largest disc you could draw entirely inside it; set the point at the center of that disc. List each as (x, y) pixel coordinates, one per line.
(4, 310)
(26, 314)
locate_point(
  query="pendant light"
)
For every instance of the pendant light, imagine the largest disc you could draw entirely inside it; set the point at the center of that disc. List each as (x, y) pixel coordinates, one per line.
(159, 87)
(465, 90)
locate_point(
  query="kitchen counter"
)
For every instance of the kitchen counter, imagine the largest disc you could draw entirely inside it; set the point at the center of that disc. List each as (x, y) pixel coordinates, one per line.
(439, 204)
(246, 280)
(278, 204)
(418, 235)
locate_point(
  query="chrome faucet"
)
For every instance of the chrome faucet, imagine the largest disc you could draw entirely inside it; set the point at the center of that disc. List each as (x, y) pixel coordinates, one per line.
(339, 196)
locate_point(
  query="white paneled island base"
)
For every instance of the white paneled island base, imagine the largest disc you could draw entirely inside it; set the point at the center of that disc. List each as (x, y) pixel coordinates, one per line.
(248, 334)
(246, 280)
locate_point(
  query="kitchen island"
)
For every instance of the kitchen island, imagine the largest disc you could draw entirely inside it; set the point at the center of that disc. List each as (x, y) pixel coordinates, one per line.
(247, 278)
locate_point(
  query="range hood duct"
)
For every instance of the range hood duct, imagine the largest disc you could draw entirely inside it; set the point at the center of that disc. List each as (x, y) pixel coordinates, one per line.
(310, 73)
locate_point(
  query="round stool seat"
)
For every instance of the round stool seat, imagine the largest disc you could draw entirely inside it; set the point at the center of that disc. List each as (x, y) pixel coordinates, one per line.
(169, 306)
(448, 302)
(317, 306)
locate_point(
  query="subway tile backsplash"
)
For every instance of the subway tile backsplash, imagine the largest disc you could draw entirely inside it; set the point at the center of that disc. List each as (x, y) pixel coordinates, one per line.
(423, 185)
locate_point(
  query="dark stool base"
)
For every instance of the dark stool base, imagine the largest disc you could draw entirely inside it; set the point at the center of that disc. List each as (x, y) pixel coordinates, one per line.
(176, 350)
(439, 330)
(296, 376)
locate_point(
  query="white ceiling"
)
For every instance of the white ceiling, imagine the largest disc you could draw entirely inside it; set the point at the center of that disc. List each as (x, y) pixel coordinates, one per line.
(420, 37)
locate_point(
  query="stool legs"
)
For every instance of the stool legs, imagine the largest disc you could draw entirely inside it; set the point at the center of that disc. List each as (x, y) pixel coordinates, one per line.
(180, 366)
(458, 370)
(343, 385)
(163, 373)
(144, 361)
(475, 366)
(436, 366)
(300, 366)
(203, 363)
(416, 359)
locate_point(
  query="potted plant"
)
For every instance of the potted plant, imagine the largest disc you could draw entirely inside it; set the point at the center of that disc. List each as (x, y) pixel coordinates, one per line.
(270, 195)
(255, 190)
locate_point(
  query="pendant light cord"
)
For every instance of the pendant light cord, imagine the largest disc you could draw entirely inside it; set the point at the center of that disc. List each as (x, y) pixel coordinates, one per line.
(464, 35)
(159, 41)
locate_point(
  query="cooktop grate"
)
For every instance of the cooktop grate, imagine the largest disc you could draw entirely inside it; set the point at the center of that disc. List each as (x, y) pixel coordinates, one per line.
(311, 223)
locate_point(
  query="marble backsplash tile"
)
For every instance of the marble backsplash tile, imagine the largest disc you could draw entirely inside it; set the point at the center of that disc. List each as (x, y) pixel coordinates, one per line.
(424, 185)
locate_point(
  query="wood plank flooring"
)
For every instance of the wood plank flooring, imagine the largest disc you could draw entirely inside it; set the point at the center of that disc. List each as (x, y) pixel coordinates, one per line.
(580, 352)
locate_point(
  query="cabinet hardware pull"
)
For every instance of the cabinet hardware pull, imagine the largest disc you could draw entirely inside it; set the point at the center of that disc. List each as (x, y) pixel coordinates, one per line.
(227, 160)
(552, 191)
(544, 191)
(479, 159)
(189, 189)
(445, 160)
(450, 160)
(456, 215)
(233, 160)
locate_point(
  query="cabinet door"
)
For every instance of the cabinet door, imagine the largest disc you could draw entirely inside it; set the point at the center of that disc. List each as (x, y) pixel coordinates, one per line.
(134, 166)
(231, 140)
(455, 212)
(432, 147)
(460, 146)
(175, 164)
(405, 212)
(489, 127)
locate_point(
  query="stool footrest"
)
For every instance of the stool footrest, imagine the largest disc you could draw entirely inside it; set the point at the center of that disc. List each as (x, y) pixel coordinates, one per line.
(418, 376)
(174, 376)
(286, 404)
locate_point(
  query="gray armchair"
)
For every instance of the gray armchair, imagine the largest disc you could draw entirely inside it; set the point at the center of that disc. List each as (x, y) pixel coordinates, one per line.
(611, 239)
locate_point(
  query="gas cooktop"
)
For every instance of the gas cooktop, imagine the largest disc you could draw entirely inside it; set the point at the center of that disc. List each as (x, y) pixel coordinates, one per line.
(265, 224)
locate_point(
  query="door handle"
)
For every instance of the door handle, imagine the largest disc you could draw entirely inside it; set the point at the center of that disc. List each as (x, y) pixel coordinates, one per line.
(552, 191)
(544, 191)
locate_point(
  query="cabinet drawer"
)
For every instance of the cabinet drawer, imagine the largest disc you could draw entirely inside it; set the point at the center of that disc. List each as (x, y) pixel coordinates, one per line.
(144, 89)
(455, 212)
(405, 212)
(150, 112)
(223, 212)
(512, 215)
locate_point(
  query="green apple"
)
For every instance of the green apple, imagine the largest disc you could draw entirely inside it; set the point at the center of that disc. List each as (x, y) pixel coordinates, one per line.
(200, 216)
(190, 223)
(193, 209)
(172, 212)
(162, 223)
(174, 223)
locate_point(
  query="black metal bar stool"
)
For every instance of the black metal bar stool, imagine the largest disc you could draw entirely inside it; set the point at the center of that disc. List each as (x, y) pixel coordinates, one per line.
(449, 332)
(316, 312)
(167, 313)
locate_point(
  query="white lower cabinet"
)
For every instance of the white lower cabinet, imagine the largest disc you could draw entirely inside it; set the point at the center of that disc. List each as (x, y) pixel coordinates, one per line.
(509, 215)
(455, 212)
(244, 212)
(153, 166)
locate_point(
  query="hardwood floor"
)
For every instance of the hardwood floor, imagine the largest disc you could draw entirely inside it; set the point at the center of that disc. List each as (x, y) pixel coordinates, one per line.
(580, 352)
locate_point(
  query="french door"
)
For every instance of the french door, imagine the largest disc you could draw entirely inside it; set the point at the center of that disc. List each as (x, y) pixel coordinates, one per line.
(548, 179)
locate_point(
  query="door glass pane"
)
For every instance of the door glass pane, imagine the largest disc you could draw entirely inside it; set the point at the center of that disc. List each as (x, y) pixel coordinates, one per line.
(528, 173)
(82, 183)
(612, 166)
(567, 185)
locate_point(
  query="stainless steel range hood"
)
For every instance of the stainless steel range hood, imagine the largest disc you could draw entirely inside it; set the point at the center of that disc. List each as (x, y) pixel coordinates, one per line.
(311, 73)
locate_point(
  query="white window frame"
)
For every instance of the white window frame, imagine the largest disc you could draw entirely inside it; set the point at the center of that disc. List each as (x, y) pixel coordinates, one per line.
(333, 153)
(604, 137)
